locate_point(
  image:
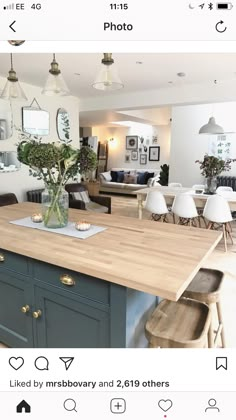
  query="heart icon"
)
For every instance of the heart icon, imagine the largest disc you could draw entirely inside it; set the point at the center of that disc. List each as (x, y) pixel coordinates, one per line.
(16, 362)
(165, 405)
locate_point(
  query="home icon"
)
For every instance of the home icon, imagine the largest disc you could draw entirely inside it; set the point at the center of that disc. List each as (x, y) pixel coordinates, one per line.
(23, 406)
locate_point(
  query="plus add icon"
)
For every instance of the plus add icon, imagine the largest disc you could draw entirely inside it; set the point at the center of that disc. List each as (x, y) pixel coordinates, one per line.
(118, 405)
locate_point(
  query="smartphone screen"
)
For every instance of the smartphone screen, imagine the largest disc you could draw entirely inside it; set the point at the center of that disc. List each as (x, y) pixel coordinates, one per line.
(117, 209)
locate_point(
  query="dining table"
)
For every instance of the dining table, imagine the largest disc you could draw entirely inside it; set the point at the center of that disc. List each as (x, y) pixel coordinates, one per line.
(170, 193)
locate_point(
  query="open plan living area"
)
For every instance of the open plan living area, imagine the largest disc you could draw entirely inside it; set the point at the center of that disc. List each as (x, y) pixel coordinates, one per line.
(117, 200)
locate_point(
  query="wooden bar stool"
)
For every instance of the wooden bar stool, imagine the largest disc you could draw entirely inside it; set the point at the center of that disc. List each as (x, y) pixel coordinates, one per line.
(178, 324)
(206, 287)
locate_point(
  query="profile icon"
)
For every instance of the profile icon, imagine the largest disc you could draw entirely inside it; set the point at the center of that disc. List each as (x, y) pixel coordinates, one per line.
(212, 406)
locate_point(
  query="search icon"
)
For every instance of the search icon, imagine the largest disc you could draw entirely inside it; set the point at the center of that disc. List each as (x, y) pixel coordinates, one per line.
(69, 405)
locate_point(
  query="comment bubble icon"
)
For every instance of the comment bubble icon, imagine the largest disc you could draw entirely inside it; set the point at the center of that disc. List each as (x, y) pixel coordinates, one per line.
(41, 363)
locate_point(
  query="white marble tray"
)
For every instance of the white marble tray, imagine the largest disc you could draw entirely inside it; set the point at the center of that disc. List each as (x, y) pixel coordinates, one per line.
(69, 230)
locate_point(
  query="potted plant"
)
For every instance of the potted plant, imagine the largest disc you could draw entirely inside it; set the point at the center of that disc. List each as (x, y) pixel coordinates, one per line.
(164, 174)
(54, 163)
(211, 167)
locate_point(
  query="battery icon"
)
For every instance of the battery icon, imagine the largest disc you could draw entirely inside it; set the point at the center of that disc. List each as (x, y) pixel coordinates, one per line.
(224, 6)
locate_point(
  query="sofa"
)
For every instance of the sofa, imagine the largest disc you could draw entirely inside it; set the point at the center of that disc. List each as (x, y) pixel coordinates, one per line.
(127, 180)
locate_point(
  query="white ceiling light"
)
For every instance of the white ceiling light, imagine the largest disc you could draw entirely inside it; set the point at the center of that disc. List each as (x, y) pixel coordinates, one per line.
(12, 88)
(211, 127)
(107, 78)
(55, 84)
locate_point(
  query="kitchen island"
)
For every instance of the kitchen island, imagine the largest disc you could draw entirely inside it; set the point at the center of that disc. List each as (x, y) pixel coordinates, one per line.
(60, 291)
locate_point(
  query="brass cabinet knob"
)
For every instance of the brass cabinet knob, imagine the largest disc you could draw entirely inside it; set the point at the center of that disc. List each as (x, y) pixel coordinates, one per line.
(25, 309)
(67, 280)
(2, 258)
(37, 314)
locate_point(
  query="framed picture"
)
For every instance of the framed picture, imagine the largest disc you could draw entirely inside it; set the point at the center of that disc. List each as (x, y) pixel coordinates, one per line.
(134, 155)
(154, 139)
(154, 153)
(131, 142)
(143, 159)
(127, 158)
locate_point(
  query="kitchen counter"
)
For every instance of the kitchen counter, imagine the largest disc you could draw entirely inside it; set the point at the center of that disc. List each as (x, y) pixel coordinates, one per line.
(118, 274)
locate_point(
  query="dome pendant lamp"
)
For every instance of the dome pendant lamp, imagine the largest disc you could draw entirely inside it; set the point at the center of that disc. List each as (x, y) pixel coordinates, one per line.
(55, 84)
(12, 88)
(107, 78)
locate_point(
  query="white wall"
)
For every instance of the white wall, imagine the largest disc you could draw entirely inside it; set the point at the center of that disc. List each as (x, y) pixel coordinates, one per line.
(20, 182)
(117, 149)
(187, 145)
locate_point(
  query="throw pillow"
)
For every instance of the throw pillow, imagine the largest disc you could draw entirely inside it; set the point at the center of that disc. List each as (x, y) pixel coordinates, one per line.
(106, 176)
(120, 176)
(130, 179)
(141, 178)
(114, 176)
(148, 176)
(82, 196)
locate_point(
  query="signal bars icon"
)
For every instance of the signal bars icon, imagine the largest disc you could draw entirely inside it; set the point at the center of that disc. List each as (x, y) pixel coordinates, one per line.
(9, 7)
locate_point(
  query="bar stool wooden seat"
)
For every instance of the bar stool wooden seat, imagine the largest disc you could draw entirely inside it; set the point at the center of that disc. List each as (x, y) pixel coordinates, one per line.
(182, 324)
(206, 287)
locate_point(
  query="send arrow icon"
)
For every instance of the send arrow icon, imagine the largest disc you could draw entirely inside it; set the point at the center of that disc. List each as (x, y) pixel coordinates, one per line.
(67, 361)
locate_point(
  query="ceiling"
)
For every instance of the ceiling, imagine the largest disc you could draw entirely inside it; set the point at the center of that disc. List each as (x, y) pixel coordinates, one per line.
(155, 72)
(138, 71)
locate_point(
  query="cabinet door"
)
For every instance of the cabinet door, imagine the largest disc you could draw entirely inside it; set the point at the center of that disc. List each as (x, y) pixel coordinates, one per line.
(67, 322)
(15, 326)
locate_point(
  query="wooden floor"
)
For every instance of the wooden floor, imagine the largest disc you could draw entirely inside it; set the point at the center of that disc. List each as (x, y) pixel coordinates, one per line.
(226, 262)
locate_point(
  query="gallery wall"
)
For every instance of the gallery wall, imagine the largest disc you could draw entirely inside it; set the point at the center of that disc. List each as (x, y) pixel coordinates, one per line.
(117, 147)
(187, 145)
(19, 182)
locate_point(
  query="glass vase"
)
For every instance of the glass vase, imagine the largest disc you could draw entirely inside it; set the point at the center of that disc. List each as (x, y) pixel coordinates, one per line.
(55, 202)
(211, 185)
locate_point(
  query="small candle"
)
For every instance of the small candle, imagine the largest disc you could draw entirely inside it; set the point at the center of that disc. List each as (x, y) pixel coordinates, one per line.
(37, 218)
(82, 225)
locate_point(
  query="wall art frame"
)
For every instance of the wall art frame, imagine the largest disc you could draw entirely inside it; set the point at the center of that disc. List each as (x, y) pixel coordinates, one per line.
(154, 153)
(131, 142)
(143, 159)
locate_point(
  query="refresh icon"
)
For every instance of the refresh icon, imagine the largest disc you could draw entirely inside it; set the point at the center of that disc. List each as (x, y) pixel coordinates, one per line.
(219, 27)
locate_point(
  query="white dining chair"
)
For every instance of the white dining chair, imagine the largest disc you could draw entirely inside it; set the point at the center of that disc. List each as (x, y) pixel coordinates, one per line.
(200, 187)
(220, 190)
(184, 207)
(175, 185)
(217, 212)
(156, 204)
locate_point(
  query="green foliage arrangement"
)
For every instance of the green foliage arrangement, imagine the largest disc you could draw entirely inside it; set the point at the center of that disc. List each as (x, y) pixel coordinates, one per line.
(212, 166)
(55, 164)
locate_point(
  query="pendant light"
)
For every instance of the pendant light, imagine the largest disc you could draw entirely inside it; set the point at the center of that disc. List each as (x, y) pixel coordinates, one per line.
(12, 89)
(107, 78)
(55, 84)
(211, 127)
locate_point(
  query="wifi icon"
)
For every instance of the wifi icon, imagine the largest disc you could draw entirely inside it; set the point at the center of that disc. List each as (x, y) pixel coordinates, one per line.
(9, 7)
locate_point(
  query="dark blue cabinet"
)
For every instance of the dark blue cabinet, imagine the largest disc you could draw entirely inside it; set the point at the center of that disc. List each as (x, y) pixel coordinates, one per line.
(63, 308)
(15, 326)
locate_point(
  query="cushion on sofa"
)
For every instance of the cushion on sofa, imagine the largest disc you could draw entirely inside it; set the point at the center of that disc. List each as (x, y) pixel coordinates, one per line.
(141, 178)
(82, 196)
(120, 176)
(106, 176)
(130, 179)
(114, 176)
(148, 176)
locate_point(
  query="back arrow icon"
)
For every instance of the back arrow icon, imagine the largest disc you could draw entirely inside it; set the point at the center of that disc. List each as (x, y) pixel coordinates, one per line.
(11, 26)
(218, 27)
